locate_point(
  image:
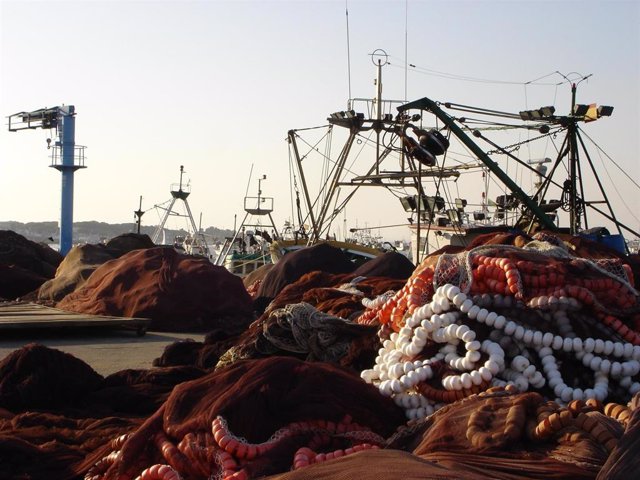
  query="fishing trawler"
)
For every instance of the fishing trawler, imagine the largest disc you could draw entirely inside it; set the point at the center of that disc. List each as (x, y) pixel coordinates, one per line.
(428, 155)
(257, 241)
(193, 242)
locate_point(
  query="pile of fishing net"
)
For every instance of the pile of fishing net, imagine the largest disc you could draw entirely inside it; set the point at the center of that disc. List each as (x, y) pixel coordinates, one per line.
(328, 259)
(83, 260)
(55, 410)
(177, 292)
(296, 420)
(307, 319)
(516, 358)
(295, 264)
(36, 377)
(492, 436)
(250, 419)
(24, 265)
(538, 318)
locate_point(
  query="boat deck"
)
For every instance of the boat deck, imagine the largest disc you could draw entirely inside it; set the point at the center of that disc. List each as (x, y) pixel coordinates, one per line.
(32, 315)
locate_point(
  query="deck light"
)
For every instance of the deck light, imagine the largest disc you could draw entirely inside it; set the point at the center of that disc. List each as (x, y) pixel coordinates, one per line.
(580, 110)
(604, 111)
(548, 111)
(525, 115)
(408, 203)
(538, 114)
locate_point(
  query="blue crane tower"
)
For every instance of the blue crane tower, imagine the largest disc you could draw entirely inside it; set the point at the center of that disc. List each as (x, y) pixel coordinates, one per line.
(66, 156)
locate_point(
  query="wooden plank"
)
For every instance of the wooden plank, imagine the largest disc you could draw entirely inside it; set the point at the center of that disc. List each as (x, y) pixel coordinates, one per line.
(73, 323)
(24, 307)
(32, 315)
(61, 318)
(36, 312)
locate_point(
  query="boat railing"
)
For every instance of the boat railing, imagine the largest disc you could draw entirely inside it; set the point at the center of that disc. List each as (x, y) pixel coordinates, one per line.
(369, 106)
(258, 205)
(178, 187)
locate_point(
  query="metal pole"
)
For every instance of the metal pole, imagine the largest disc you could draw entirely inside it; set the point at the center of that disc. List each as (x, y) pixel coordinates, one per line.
(305, 190)
(378, 115)
(574, 218)
(139, 213)
(419, 197)
(67, 146)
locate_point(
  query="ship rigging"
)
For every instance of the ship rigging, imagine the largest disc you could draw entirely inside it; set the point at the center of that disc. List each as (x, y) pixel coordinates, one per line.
(420, 148)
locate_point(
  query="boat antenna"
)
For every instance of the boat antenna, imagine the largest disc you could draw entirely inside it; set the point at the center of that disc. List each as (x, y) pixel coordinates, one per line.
(379, 58)
(348, 48)
(181, 173)
(406, 34)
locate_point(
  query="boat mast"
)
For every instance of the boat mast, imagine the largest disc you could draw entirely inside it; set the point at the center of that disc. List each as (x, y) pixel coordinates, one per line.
(574, 215)
(178, 192)
(138, 213)
(380, 54)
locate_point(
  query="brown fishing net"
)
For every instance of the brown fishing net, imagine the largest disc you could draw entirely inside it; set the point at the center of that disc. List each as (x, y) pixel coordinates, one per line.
(178, 292)
(302, 412)
(329, 300)
(295, 264)
(24, 265)
(280, 402)
(37, 377)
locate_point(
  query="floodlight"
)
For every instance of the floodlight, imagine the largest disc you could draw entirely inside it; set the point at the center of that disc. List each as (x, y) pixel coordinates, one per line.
(604, 111)
(547, 111)
(525, 115)
(580, 110)
(408, 203)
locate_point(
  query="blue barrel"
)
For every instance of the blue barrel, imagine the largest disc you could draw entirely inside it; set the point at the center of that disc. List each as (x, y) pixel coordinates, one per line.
(615, 242)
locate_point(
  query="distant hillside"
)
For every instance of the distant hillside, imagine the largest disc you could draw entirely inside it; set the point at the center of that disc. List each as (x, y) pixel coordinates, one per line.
(95, 232)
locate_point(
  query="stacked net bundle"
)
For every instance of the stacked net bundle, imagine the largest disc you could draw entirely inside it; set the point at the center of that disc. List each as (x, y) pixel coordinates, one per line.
(537, 318)
(177, 292)
(250, 419)
(499, 434)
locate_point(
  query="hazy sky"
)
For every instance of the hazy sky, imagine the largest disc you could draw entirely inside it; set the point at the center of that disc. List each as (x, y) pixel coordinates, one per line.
(216, 85)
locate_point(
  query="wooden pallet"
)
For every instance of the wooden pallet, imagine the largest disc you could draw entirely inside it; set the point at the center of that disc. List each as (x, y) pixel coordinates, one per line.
(32, 315)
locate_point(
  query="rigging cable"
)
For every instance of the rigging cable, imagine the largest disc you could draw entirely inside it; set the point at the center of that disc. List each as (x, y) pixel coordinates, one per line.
(452, 76)
(610, 159)
(600, 153)
(246, 192)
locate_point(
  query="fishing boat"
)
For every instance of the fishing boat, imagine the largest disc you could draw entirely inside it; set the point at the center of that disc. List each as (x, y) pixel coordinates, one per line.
(194, 241)
(257, 241)
(433, 157)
